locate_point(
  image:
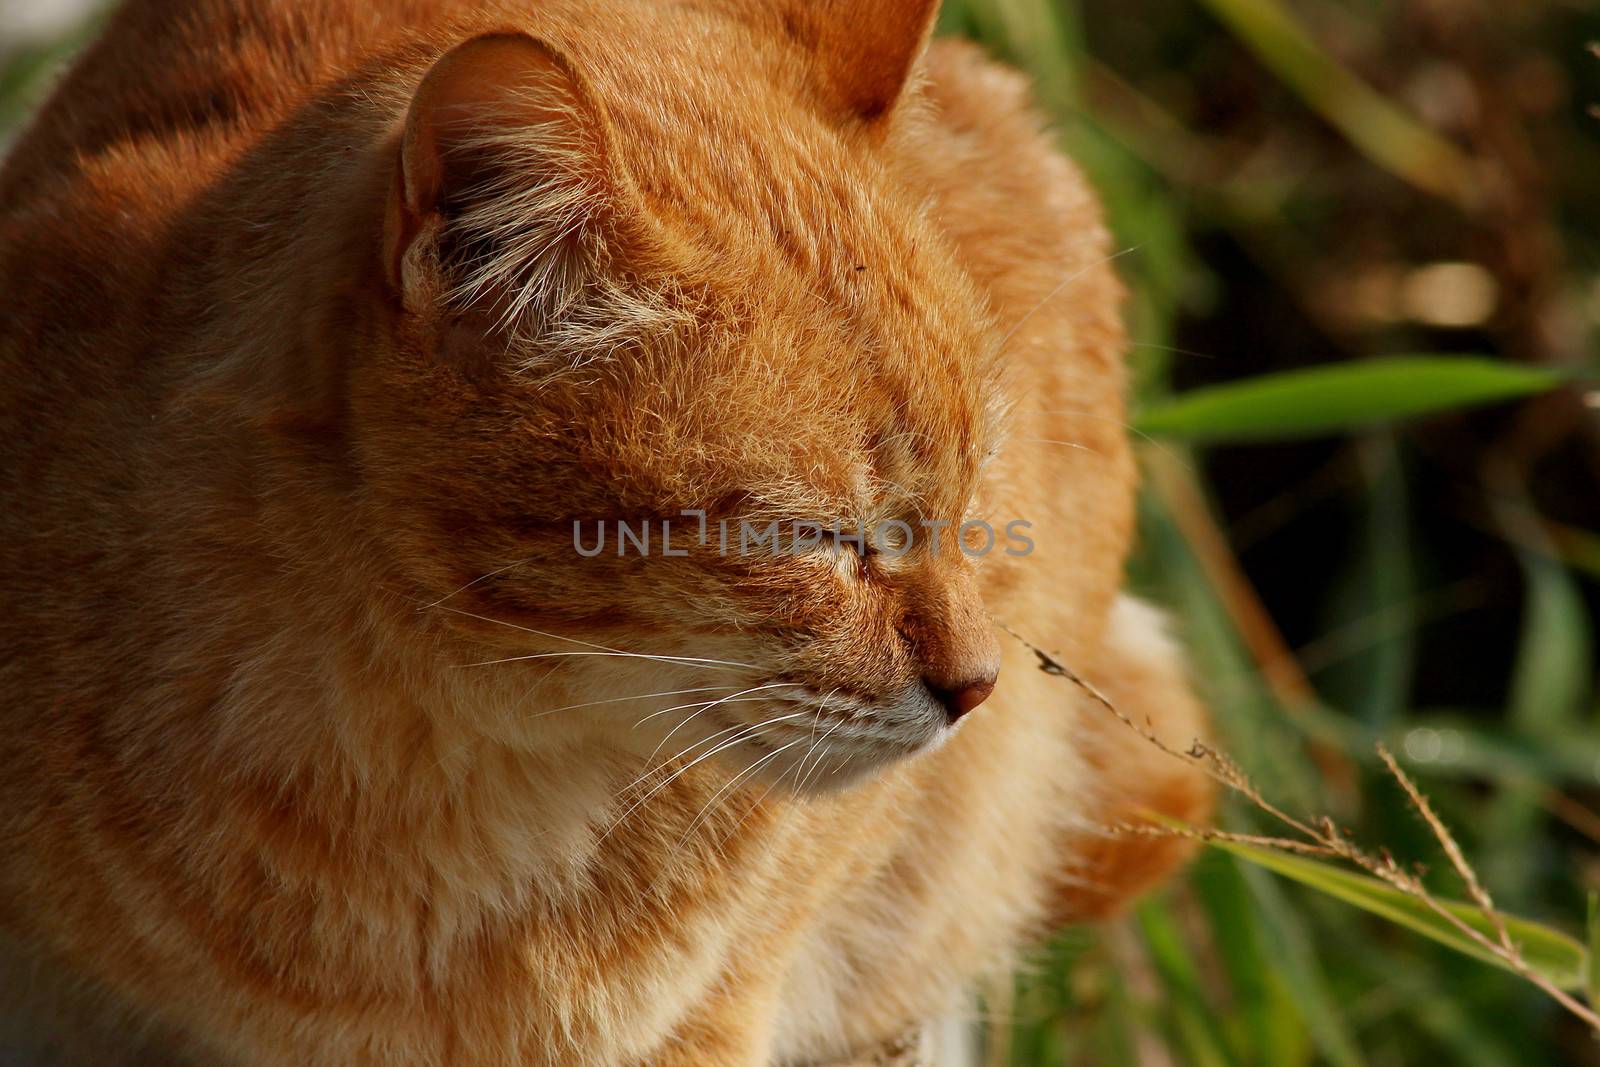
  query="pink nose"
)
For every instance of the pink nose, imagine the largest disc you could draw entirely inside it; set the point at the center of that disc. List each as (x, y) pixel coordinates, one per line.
(962, 698)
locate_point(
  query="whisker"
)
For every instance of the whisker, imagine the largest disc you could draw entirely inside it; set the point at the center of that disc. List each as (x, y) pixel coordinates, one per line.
(481, 578)
(1174, 351)
(805, 781)
(816, 720)
(591, 644)
(693, 661)
(712, 737)
(1125, 424)
(1052, 294)
(705, 810)
(802, 775)
(687, 719)
(762, 799)
(742, 692)
(621, 700)
(1064, 444)
(801, 779)
(744, 732)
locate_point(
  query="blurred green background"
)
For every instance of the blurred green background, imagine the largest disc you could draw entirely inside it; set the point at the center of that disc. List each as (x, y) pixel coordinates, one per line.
(1301, 183)
(1333, 182)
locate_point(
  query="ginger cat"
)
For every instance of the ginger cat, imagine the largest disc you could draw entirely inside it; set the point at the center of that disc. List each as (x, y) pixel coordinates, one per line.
(336, 330)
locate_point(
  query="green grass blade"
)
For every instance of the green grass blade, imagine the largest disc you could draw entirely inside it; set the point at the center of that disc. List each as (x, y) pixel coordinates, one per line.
(1550, 953)
(1277, 992)
(1113, 1037)
(1323, 400)
(1551, 683)
(1193, 1022)
(1453, 745)
(1548, 691)
(1291, 936)
(1266, 1027)
(1378, 129)
(1591, 974)
(1374, 607)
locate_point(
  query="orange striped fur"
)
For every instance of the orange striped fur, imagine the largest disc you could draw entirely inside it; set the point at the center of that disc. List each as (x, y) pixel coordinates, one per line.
(321, 743)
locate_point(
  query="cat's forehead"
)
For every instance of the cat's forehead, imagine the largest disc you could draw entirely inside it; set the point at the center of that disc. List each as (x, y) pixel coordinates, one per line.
(812, 411)
(839, 346)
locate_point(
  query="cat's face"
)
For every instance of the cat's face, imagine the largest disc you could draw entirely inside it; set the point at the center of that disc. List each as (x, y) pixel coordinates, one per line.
(685, 372)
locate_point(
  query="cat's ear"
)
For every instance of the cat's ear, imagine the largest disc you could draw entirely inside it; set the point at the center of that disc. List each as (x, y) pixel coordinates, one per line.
(864, 50)
(499, 180)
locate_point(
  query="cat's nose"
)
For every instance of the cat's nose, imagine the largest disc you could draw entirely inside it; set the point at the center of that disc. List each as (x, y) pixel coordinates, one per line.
(962, 697)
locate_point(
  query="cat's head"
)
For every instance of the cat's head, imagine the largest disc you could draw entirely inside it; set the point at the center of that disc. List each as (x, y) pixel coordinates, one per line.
(672, 263)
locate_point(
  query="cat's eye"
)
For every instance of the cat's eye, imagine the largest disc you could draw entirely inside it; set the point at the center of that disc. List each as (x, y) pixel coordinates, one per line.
(893, 537)
(850, 548)
(857, 544)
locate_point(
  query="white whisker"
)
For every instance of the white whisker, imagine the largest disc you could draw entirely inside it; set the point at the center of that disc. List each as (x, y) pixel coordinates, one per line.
(734, 698)
(1064, 444)
(622, 700)
(743, 733)
(1052, 294)
(712, 737)
(1124, 423)
(591, 644)
(481, 578)
(724, 700)
(801, 779)
(692, 661)
(806, 780)
(734, 781)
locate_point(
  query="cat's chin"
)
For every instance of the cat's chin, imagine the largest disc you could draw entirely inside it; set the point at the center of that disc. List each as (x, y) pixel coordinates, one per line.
(833, 741)
(817, 772)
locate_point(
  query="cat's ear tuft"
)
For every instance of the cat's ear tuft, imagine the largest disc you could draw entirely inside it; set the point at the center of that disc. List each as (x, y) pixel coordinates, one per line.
(864, 51)
(499, 182)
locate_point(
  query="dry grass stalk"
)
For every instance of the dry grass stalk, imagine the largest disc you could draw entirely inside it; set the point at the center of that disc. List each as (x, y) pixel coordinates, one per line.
(1320, 836)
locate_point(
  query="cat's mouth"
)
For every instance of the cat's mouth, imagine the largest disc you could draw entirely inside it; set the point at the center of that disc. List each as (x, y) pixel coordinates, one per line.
(814, 742)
